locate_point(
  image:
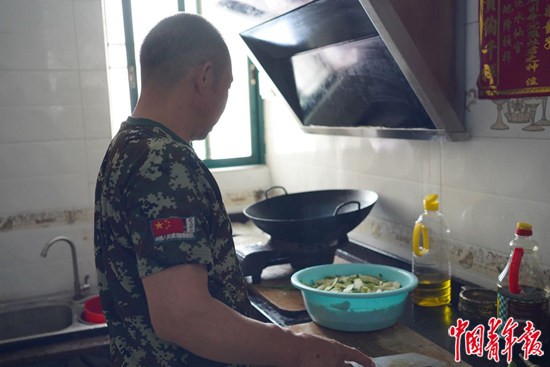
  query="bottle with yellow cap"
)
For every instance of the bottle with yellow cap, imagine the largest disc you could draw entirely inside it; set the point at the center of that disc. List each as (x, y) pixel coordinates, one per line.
(431, 262)
(522, 290)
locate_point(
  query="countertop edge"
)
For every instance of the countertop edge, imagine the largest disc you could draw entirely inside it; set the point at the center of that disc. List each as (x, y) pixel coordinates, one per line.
(53, 351)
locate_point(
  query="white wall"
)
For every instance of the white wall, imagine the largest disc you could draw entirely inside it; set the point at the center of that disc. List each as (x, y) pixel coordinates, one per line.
(486, 184)
(54, 128)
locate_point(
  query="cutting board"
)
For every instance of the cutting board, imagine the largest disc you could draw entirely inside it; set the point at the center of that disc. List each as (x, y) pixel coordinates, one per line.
(408, 360)
(276, 288)
(404, 360)
(397, 339)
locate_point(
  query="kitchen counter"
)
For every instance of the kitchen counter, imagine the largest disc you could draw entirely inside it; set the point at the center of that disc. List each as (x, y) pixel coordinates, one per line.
(429, 326)
(428, 323)
(397, 339)
(91, 350)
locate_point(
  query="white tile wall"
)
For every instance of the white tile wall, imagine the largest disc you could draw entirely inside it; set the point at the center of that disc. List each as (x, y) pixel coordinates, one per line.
(241, 187)
(42, 51)
(39, 88)
(54, 128)
(24, 273)
(40, 123)
(31, 16)
(22, 160)
(88, 16)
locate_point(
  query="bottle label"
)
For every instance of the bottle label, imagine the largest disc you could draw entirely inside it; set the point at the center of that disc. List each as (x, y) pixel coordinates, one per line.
(535, 311)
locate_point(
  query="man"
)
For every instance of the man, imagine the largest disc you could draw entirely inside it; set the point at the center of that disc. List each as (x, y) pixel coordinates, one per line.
(170, 283)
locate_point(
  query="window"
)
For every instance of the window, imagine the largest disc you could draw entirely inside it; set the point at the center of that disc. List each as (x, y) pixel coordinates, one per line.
(237, 139)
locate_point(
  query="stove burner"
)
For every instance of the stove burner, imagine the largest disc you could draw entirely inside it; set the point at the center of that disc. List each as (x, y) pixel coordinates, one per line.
(301, 247)
(257, 256)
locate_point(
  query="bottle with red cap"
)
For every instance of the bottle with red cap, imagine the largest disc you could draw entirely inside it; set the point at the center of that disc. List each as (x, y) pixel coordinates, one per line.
(522, 290)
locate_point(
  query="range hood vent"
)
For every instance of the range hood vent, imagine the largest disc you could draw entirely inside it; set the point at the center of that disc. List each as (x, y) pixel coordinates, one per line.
(377, 68)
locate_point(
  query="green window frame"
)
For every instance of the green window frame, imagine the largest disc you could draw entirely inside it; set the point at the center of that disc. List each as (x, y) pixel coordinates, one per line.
(255, 101)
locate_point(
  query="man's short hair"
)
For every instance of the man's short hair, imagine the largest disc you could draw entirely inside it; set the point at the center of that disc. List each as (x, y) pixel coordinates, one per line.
(179, 43)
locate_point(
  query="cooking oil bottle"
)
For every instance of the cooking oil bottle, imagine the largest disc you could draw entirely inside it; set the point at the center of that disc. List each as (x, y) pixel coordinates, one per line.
(431, 263)
(522, 290)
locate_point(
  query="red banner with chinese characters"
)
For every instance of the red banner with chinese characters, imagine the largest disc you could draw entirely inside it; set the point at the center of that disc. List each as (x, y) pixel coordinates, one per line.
(514, 48)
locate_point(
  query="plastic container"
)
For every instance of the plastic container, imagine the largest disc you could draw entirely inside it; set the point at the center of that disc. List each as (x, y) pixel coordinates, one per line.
(477, 304)
(430, 261)
(354, 311)
(523, 292)
(93, 312)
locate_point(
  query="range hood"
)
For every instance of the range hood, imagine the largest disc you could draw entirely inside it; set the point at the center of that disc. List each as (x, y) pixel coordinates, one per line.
(376, 68)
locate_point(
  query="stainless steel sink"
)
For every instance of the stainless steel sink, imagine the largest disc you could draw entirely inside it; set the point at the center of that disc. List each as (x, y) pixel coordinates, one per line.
(42, 318)
(35, 320)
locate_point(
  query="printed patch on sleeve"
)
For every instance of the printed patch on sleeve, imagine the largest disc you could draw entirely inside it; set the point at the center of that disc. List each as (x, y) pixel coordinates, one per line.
(174, 228)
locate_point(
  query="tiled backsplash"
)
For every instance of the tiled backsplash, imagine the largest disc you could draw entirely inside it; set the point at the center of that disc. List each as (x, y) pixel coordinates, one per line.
(471, 263)
(24, 272)
(26, 221)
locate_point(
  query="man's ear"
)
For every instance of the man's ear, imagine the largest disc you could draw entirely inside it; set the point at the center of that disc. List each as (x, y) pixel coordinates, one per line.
(204, 76)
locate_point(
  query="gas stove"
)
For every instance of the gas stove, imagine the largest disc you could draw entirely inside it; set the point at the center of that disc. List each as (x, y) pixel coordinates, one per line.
(256, 251)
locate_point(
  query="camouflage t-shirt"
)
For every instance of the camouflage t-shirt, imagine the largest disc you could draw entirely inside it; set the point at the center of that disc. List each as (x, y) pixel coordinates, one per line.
(157, 206)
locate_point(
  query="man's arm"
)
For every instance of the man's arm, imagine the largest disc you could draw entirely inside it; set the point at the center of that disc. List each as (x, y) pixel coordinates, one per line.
(183, 312)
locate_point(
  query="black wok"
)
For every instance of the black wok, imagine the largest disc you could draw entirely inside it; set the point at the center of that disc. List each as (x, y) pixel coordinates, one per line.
(311, 217)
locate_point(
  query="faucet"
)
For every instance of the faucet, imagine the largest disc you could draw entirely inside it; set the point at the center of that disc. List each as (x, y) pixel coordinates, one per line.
(78, 289)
